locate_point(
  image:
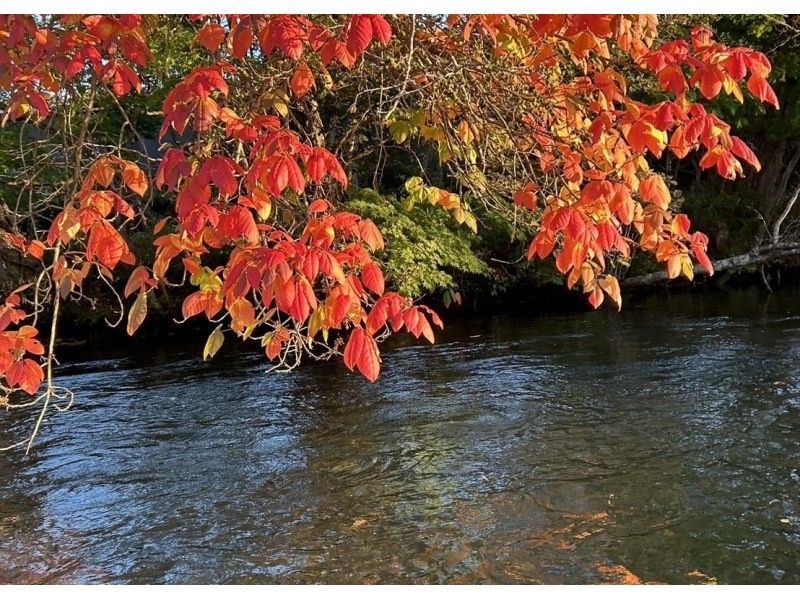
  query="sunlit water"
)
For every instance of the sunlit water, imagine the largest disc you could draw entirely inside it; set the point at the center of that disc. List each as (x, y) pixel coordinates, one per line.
(665, 439)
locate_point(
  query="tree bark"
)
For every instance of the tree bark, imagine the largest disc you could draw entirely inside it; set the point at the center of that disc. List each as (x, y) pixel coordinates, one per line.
(761, 255)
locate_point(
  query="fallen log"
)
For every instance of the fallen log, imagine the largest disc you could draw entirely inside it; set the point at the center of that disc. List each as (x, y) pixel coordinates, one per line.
(757, 256)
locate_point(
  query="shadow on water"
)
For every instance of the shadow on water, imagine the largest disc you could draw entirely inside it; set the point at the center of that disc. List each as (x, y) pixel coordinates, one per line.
(663, 440)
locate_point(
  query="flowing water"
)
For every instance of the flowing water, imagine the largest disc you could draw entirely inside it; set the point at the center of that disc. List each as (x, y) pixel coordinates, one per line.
(662, 441)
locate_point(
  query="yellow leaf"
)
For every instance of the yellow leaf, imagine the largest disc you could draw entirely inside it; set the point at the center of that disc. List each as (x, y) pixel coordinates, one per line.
(137, 314)
(610, 285)
(686, 267)
(414, 185)
(213, 344)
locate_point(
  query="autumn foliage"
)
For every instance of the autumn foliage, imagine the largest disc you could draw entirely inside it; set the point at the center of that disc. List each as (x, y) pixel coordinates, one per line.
(257, 234)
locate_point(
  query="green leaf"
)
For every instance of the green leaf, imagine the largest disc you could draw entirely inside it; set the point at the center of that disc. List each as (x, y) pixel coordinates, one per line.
(400, 130)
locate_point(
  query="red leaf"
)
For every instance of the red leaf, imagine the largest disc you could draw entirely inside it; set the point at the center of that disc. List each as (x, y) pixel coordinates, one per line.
(284, 172)
(370, 234)
(238, 223)
(370, 363)
(759, 87)
(287, 33)
(699, 244)
(222, 172)
(25, 374)
(736, 63)
(242, 39)
(39, 104)
(526, 197)
(199, 302)
(315, 165)
(740, 149)
(335, 169)
(361, 351)
(352, 350)
(381, 30)
(372, 278)
(359, 34)
(319, 205)
(671, 79)
(171, 169)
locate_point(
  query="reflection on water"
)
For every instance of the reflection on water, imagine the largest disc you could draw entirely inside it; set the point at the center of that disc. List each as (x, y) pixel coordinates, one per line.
(664, 440)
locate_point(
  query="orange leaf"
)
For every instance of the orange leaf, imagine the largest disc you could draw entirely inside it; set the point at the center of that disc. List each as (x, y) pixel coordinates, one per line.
(25, 374)
(211, 37)
(302, 81)
(105, 244)
(138, 281)
(680, 225)
(596, 298)
(654, 190)
(134, 178)
(36, 249)
(759, 87)
(526, 197)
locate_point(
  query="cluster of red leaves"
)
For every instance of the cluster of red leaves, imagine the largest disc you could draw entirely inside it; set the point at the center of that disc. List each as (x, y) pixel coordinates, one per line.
(92, 215)
(36, 60)
(294, 37)
(17, 370)
(325, 279)
(34, 249)
(274, 286)
(609, 193)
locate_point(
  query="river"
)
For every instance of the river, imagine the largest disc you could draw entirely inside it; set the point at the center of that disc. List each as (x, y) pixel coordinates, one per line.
(663, 441)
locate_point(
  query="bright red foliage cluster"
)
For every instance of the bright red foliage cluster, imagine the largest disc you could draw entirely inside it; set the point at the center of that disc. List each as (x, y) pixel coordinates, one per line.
(595, 138)
(18, 369)
(293, 288)
(36, 59)
(289, 288)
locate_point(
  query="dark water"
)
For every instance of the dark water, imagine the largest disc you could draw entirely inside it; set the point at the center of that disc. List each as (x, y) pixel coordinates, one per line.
(665, 439)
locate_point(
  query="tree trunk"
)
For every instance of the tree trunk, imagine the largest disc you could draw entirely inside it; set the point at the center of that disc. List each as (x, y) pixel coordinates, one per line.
(761, 255)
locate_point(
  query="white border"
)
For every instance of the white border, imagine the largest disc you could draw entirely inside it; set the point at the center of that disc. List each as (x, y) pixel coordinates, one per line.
(407, 6)
(389, 6)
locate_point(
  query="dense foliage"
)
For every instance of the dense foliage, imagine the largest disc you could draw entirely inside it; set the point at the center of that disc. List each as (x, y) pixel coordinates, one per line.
(287, 165)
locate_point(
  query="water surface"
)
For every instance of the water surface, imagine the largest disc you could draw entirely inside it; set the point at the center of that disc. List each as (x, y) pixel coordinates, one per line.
(665, 439)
